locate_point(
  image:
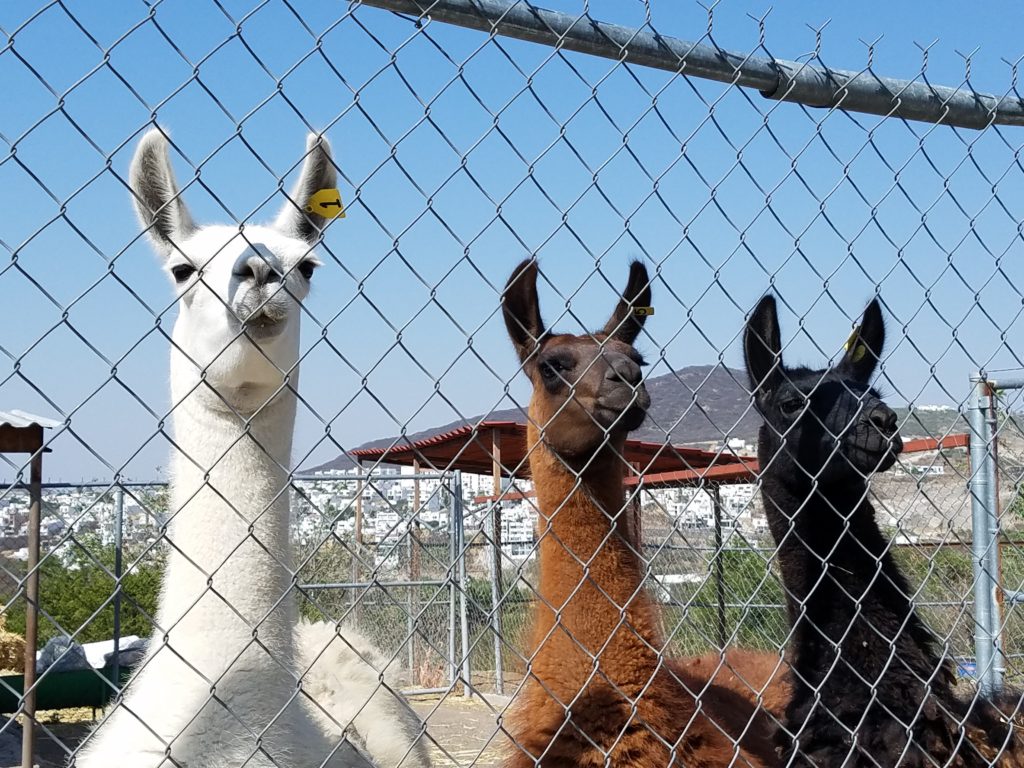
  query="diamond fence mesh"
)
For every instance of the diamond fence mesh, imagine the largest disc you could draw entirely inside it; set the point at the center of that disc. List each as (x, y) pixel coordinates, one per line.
(430, 552)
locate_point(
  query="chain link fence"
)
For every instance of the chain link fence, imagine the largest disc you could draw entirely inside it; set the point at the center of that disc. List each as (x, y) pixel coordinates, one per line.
(368, 567)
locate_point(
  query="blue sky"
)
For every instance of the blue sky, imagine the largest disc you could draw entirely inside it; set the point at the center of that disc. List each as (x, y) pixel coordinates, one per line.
(451, 179)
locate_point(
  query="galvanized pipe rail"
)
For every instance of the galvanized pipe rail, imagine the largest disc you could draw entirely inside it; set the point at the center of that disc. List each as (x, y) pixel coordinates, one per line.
(777, 79)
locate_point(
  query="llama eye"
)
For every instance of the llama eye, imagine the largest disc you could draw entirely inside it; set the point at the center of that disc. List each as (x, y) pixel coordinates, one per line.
(306, 269)
(182, 272)
(792, 406)
(550, 370)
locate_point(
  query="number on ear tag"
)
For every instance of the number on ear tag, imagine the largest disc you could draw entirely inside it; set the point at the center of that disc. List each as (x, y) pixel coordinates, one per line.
(326, 203)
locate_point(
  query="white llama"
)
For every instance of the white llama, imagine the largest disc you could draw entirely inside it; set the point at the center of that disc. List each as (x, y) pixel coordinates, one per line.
(219, 687)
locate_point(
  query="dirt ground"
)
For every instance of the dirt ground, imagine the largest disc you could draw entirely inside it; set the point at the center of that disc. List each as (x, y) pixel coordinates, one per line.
(463, 732)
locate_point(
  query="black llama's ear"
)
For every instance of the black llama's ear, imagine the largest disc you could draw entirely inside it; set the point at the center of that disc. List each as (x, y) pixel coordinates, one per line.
(864, 347)
(521, 309)
(318, 172)
(762, 348)
(624, 324)
(156, 195)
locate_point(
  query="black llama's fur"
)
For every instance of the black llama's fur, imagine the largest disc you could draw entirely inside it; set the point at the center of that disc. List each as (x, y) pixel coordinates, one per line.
(870, 686)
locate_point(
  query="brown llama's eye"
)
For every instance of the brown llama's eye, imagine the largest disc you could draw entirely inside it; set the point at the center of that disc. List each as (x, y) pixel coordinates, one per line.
(306, 269)
(551, 370)
(182, 272)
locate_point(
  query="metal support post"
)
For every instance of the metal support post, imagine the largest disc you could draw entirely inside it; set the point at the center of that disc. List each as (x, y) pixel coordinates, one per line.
(453, 559)
(118, 566)
(496, 597)
(984, 527)
(460, 543)
(716, 503)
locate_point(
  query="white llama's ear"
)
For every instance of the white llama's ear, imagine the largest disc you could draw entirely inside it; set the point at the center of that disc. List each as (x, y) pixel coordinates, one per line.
(157, 198)
(318, 172)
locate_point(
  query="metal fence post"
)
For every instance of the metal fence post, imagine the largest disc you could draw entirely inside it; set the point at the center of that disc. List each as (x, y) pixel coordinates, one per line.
(118, 563)
(716, 503)
(984, 527)
(412, 598)
(496, 594)
(453, 559)
(357, 548)
(460, 545)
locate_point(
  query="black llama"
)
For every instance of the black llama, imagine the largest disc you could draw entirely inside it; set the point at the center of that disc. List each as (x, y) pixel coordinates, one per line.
(870, 685)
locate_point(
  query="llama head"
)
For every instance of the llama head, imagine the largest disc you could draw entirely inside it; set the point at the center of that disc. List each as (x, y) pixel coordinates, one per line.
(829, 425)
(239, 287)
(585, 388)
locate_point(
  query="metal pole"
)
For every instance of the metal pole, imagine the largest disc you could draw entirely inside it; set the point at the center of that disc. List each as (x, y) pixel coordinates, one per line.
(779, 79)
(414, 572)
(994, 566)
(32, 608)
(453, 555)
(982, 533)
(118, 554)
(357, 552)
(497, 587)
(460, 543)
(716, 503)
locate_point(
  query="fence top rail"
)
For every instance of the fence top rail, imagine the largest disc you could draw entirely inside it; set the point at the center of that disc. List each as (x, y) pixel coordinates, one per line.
(113, 485)
(1007, 382)
(779, 79)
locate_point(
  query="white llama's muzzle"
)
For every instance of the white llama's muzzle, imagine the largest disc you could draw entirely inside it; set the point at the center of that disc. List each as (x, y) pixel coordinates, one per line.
(263, 311)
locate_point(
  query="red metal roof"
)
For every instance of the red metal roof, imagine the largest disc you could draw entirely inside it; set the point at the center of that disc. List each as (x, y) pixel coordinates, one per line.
(746, 469)
(469, 448)
(733, 469)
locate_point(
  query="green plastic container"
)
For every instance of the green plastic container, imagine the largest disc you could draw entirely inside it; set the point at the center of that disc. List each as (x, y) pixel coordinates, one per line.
(62, 690)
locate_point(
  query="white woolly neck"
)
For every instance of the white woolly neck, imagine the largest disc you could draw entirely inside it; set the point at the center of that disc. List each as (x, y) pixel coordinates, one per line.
(230, 568)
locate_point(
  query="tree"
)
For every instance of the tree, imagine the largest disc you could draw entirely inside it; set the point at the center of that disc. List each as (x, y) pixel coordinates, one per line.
(76, 589)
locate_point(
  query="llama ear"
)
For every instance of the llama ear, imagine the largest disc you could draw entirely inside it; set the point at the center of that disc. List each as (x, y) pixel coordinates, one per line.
(318, 172)
(864, 347)
(157, 198)
(521, 309)
(762, 349)
(624, 325)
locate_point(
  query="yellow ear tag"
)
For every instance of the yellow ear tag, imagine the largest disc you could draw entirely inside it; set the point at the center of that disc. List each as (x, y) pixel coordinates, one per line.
(326, 203)
(859, 349)
(643, 311)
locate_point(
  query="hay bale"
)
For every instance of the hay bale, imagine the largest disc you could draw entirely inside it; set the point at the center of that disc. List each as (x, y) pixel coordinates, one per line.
(12, 649)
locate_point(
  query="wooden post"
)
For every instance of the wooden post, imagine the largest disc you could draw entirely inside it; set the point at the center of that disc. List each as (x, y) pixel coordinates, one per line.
(32, 606)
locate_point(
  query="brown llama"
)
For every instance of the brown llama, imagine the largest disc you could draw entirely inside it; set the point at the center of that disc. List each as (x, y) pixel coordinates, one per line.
(599, 690)
(871, 685)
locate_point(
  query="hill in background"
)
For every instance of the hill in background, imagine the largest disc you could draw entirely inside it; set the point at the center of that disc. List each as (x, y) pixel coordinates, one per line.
(696, 405)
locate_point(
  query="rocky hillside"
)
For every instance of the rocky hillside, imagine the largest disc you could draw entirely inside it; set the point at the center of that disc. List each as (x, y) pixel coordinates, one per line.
(695, 405)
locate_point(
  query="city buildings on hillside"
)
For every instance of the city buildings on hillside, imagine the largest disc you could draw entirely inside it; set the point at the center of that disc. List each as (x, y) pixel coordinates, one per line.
(327, 504)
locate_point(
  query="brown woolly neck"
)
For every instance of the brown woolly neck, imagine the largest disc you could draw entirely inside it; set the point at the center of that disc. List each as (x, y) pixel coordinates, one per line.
(590, 573)
(598, 692)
